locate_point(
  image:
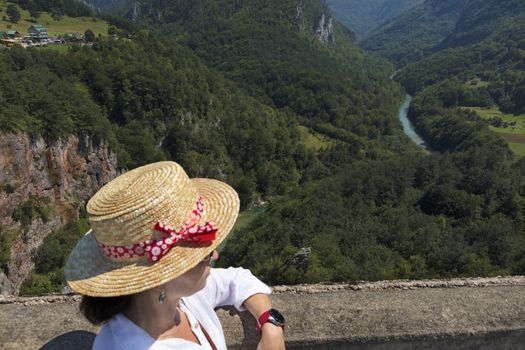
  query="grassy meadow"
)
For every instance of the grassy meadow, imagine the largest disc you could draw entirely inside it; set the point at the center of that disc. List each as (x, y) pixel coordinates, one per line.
(247, 216)
(313, 140)
(66, 25)
(477, 83)
(513, 132)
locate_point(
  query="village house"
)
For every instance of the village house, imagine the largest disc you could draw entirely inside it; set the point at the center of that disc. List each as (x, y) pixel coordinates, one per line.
(38, 32)
(13, 34)
(9, 38)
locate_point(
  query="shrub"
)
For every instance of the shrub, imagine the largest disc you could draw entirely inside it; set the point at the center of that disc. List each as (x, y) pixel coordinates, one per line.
(32, 209)
(6, 241)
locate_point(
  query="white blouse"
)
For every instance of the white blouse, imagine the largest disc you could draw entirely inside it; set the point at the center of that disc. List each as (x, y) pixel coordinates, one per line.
(230, 286)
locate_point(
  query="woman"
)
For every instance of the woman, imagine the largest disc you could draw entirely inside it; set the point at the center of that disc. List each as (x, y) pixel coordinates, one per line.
(144, 267)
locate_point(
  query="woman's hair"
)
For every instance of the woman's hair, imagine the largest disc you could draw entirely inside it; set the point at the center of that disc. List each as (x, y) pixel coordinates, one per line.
(98, 310)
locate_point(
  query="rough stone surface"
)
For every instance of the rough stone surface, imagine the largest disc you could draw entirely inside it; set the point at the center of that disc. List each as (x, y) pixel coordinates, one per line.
(64, 172)
(382, 315)
(325, 29)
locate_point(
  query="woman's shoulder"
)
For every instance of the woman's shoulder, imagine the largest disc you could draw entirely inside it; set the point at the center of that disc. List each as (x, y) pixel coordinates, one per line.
(120, 333)
(104, 339)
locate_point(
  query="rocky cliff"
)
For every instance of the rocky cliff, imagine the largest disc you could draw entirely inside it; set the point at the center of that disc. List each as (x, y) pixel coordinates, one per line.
(315, 17)
(43, 185)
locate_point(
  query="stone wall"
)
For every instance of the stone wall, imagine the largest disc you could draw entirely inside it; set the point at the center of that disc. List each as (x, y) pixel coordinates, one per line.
(452, 314)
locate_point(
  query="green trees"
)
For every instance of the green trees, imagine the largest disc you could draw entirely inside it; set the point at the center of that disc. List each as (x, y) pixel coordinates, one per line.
(13, 13)
(50, 259)
(89, 36)
(33, 10)
(57, 8)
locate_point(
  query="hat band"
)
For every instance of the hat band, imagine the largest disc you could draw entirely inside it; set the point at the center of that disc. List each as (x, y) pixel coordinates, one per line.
(157, 248)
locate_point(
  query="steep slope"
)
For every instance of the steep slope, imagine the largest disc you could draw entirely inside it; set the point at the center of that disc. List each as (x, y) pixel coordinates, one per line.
(290, 54)
(412, 35)
(436, 25)
(497, 61)
(365, 16)
(480, 19)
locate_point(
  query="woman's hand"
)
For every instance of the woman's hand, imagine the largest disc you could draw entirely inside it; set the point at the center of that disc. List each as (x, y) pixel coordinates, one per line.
(272, 338)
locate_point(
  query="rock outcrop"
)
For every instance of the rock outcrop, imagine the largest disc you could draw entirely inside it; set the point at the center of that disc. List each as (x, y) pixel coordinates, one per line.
(53, 178)
(319, 21)
(325, 29)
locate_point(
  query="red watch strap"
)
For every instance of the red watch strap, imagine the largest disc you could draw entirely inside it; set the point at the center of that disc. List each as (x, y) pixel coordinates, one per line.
(263, 319)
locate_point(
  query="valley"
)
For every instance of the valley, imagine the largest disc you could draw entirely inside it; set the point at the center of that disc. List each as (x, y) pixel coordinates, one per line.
(279, 99)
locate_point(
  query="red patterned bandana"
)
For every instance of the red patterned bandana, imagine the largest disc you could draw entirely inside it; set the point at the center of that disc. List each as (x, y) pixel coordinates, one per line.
(157, 248)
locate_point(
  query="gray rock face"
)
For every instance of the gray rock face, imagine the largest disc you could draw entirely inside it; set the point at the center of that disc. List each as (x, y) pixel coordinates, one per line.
(321, 27)
(325, 30)
(62, 174)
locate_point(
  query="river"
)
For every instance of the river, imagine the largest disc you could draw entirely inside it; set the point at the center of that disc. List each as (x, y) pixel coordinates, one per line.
(408, 128)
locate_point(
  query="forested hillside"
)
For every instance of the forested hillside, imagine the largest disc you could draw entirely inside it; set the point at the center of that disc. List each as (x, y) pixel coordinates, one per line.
(224, 104)
(436, 25)
(414, 34)
(365, 16)
(455, 213)
(485, 76)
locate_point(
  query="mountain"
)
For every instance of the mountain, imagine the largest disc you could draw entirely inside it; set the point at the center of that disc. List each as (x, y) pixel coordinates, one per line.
(365, 16)
(436, 25)
(291, 54)
(486, 46)
(227, 89)
(410, 36)
(237, 90)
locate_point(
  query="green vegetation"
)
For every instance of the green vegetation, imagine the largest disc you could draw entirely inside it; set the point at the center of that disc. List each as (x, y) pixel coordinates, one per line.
(436, 25)
(32, 209)
(55, 24)
(6, 241)
(246, 217)
(477, 83)
(365, 16)
(412, 35)
(496, 116)
(313, 140)
(6, 188)
(51, 256)
(13, 13)
(489, 68)
(509, 127)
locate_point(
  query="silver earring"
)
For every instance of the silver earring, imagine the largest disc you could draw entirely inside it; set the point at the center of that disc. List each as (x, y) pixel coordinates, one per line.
(162, 297)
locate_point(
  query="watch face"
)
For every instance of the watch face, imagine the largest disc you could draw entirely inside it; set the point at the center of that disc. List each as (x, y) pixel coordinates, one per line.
(277, 317)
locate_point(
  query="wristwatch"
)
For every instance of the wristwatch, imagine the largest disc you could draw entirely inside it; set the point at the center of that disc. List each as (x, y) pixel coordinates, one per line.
(273, 316)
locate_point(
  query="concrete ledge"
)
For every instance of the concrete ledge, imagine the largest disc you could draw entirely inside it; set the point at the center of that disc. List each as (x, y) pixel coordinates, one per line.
(452, 314)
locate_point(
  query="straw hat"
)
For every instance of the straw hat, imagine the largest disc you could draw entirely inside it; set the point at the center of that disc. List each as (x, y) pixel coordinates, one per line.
(124, 214)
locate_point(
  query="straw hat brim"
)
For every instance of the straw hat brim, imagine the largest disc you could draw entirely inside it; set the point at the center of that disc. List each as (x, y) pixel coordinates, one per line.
(90, 272)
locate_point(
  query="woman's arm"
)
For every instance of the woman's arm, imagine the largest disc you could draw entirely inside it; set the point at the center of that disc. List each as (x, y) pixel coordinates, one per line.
(272, 336)
(238, 287)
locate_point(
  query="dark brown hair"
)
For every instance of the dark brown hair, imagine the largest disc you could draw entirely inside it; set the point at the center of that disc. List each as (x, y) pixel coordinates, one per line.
(99, 310)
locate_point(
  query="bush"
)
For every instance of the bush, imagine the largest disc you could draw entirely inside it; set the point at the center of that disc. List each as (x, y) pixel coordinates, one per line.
(6, 241)
(50, 259)
(37, 283)
(32, 209)
(7, 188)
